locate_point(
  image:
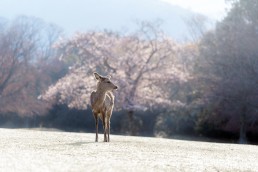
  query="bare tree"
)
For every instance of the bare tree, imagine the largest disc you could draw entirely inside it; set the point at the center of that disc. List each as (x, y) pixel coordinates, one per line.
(20, 52)
(197, 26)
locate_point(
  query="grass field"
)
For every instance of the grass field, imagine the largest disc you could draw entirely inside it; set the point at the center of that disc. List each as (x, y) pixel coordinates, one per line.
(32, 150)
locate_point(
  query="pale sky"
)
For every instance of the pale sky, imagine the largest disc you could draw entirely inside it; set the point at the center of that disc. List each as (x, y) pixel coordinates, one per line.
(213, 8)
(84, 15)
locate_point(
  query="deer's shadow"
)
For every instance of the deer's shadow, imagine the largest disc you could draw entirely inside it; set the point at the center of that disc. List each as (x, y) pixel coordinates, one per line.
(80, 143)
(85, 143)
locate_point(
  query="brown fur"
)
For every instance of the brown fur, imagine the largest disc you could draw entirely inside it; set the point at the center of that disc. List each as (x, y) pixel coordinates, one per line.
(102, 103)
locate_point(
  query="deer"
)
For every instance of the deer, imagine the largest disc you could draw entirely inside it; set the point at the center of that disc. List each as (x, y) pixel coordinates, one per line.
(102, 103)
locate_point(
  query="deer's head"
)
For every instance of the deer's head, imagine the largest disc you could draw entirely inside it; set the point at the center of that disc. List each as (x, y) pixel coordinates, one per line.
(104, 83)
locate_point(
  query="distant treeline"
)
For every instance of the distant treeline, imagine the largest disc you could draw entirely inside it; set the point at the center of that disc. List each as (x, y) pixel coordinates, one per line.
(72, 120)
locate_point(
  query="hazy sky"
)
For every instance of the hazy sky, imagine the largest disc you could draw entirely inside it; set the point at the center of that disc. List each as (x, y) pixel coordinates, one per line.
(213, 8)
(82, 15)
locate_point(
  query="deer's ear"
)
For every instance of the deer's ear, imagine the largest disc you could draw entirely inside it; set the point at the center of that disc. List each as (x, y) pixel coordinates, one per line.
(97, 76)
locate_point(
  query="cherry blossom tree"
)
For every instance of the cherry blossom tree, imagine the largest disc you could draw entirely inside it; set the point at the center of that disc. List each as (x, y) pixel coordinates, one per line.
(139, 63)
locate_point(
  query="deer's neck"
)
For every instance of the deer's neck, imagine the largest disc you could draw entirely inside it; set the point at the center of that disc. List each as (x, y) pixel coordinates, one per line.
(100, 96)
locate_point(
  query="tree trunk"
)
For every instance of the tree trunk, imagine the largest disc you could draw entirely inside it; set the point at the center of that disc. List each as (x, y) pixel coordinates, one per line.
(242, 132)
(131, 123)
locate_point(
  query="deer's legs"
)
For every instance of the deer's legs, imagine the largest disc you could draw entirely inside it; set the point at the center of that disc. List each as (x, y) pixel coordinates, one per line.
(97, 124)
(109, 113)
(104, 127)
(108, 129)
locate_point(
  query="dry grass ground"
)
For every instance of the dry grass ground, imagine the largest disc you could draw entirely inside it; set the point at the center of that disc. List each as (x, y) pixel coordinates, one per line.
(30, 150)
